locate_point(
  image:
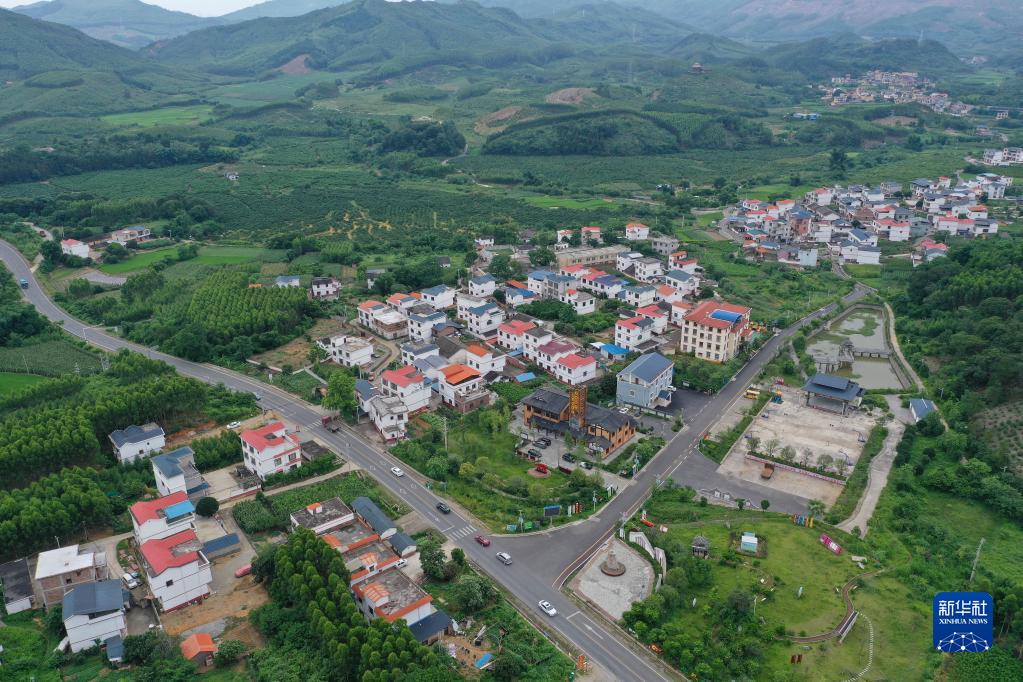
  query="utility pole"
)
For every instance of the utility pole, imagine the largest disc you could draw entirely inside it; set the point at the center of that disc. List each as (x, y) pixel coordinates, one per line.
(445, 434)
(976, 558)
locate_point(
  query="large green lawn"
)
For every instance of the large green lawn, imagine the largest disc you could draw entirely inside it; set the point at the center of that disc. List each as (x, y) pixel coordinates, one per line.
(9, 382)
(208, 255)
(140, 261)
(192, 115)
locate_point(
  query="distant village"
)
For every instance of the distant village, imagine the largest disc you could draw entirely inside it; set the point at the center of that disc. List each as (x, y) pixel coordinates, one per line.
(895, 87)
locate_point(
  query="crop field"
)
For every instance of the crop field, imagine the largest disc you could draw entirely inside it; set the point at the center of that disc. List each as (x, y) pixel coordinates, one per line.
(139, 261)
(9, 382)
(566, 202)
(48, 358)
(1002, 428)
(193, 115)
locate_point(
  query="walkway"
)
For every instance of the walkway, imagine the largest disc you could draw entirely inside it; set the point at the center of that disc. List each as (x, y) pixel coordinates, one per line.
(877, 479)
(894, 341)
(849, 610)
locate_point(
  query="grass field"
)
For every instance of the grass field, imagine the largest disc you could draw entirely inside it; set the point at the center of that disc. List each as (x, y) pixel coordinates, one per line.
(208, 255)
(140, 261)
(193, 115)
(48, 358)
(566, 202)
(9, 382)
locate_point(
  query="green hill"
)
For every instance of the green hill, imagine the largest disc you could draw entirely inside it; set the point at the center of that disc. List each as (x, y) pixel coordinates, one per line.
(824, 57)
(389, 37)
(278, 8)
(129, 23)
(595, 133)
(609, 23)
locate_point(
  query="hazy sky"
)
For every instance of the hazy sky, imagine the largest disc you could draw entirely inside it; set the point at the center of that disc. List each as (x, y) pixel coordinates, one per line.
(203, 8)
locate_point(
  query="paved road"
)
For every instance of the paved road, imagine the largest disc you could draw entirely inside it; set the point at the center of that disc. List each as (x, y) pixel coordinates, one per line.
(591, 637)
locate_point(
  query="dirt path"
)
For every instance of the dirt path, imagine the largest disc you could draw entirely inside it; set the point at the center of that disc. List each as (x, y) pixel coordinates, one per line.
(894, 340)
(849, 610)
(877, 479)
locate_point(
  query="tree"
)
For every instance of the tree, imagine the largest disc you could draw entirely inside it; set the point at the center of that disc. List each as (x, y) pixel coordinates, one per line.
(741, 503)
(431, 558)
(207, 506)
(541, 256)
(788, 453)
(752, 443)
(501, 267)
(341, 393)
(838, 161)
(472, 593)
(765, 504)
(815, 508)
(458, 556)
(509, 666)
(771, 447)
(825, 461)
(229, 651)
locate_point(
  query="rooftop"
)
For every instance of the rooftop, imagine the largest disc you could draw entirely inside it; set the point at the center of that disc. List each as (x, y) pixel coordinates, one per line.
(94, 598)
(349, 535)
(396, 590)
(374, 516)
(459, 374)
(198, 643)
(170, 506)
(174, 551)
(404, 377)
(319, 513)
(574, 360)
(648, 367)
(271, 435)
(836, 388)
(136, 434)
(719, 315)
(63, 560)
(16, 580)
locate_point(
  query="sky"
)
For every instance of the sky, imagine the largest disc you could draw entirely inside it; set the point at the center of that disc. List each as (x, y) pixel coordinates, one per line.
(202, 8)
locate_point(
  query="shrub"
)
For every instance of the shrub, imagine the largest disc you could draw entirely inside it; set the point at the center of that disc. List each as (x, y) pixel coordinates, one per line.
(207, 506)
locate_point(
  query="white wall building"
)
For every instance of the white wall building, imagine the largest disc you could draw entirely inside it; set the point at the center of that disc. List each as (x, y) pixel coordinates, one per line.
(137, 441)
(634, 334)
(73, 247)
(270, 450)
(349, 351)
(407, 384)
(94, 613)
(177, 571)
(162, 517)
(574, 369)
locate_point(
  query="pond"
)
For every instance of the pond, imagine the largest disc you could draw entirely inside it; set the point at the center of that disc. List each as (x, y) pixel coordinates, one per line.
(865, 329)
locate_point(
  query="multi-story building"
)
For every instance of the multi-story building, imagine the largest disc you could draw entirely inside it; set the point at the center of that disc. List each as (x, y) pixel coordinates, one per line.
(175, 471)
(635, 334)
(604, 431)
(402, 302)
(410, 352)
(646, 382)
(94, 613)
(463, 389)
(484, 320)
(388, 413)
(383, 320)
(162, 517)
(639, 295)
(575, 369)
(511, 334)
(647, 269)
(483, 286)
(636, 232)
(409, 385)
(177, 571)
(60, 570)
(624, 260)
(489, 364)
(682, 281)
(548, 354)
(422, 323)
(656, 313)
(349, 351)
(589, 256)
(270, 450)
(590, 235)
(532, 339)
(715, 331)
(582, 302)
(73, 247)
(438, 297)
(664, 245)
(137, 441)
(324, 288)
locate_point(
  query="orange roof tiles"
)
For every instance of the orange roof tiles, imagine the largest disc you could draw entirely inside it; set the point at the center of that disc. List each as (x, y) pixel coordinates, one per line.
(458, 374)
(199, 643)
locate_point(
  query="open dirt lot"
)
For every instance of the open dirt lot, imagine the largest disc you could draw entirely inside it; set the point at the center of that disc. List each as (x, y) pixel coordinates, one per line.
(296, 352)
(237, 603)
(811, 433)
(569, 96)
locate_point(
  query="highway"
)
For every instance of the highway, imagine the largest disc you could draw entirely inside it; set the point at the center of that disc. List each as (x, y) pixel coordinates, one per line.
(542, 561)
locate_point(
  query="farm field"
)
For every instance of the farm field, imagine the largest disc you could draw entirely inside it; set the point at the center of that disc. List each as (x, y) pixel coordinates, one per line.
(190, 115)
(566, 202)
(10, 382)
(48, 358)
(140, 261)
(1002, 428)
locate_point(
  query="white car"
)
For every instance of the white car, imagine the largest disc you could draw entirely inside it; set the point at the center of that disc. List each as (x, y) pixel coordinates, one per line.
(234, 425)
(397, 472)
(548, 608)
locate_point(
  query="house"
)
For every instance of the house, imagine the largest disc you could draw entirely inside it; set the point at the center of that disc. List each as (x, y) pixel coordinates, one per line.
(402, 302)
(371, 514)
(604, 431)
(625, 260)
(199, 648)
(391, 595)
(409, 385)
(984, 228)
(270, 449)
(533, 339)
(868, 255)
(636, 232)
(175, 471)
(608, 286)
(483, 286)
(656, 314)
(17, 586)
(575, 369)
(663, 245)
(439, 297)
(177, 571)
(164, 516)
(388, 413)
(137, 441)
(548, 354)
(714, 331)
(683, 282)
(862, 237)
(920, 408)
(638, 295)
(635, 334)
(94, 613)
(582, 303)
(444, 262)
(372, 274)
(589, 235)
(130, 234)
(646, 382)
(73, 247)
(410, 352)
(463, 389)
(511, 334)
(60, 570)
(667, 294)
(489, 364)
(832, 393)
(348, 351)
(324, 289)
(422, 322)
(369, 560)
(383, 320)
(647, 269)
(483, 320)
(678, 312)
(589, 255)
(516, 297)
(288, 282)
(323, 517)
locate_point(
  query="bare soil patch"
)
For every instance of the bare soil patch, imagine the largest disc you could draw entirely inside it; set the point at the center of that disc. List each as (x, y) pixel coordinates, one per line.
(569, 96)
(894, 121)
(298, 65)
(485, 126)
(238, 603)
(296, 351)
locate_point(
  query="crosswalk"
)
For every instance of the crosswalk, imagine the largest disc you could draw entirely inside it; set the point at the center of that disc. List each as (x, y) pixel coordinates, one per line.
(462, 532)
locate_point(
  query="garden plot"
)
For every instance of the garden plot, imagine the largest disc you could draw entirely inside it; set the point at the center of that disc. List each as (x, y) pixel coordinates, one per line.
(815, 438)
(1002, 428)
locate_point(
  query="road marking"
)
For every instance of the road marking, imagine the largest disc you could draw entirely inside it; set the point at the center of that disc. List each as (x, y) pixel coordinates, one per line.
(595, 633)
(447, 529)
(573, 615)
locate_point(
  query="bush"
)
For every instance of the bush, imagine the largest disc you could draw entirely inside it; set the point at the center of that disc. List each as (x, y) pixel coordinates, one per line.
(228, 652)
(207, 506)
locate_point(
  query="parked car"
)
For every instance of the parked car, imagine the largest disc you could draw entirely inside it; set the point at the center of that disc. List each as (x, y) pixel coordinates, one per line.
(544, 442)
(483, 540)
(568, 457)
(533, 452)
(587, 465)
(548, 608)
(401, 563)
(234, 425)
(444, 509)
(130, 582)
(397, 472)
(257, 396)
(243, 571)
(504, 558)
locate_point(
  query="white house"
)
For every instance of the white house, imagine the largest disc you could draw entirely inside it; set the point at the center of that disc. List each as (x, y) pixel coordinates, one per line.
(532, 339)
(73, 247)
(868, 255)
(349, 351)
(137, 441)
(667, 294)
(639, 295)
(162, 517)
(485, 361)
(582, 302)
(175, 471)
(682, 281)
(590, 234)
(463, 389)
(655, 314)
(323, 517)
(130, 234)
(270, 450)
(402, 302)
(422, 324)
(94, 613)
(646, 382)
(408, 385)
(388, 414)
(574, 369)
(383, 320)
(647, 269)
(288, 282)
(438, 297)
(483, 286)
(483, 321)
(324, 288)
(516, 296)
(635, 333)
(177, 571)
(636, 232)
(548, 354)
(511, 334)
(410, 352)
(625, 259)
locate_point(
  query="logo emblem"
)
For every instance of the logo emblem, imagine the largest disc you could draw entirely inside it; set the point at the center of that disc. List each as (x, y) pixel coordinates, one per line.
(963, 621)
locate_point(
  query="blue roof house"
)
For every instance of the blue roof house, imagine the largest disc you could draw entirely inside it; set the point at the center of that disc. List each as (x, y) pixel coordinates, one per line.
(646, 382)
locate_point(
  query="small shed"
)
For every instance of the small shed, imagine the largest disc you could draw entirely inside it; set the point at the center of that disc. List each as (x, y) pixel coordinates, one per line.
(199, 649)
(17, 584)
(701, 547)
(920, 408)
(748, 543)
(222, 546)
(402, 545)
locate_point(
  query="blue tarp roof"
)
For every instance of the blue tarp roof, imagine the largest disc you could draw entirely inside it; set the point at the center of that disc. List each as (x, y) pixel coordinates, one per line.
(612, 349)
(484, 659)
(726, 316)
(921, 407)
(180, 509)
(524, 377)
(217, 544)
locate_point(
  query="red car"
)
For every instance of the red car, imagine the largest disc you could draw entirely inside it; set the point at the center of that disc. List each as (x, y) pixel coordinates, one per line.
(483, 540)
